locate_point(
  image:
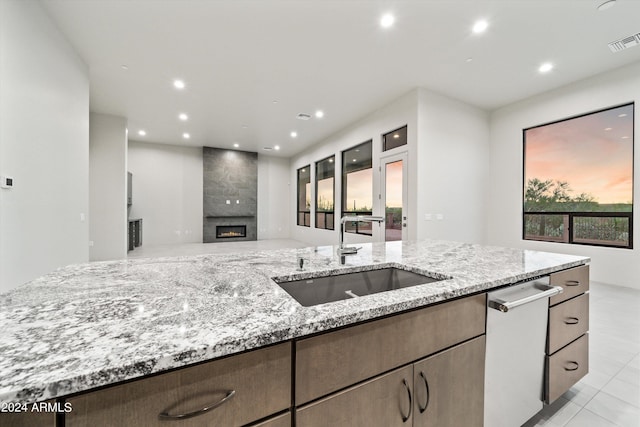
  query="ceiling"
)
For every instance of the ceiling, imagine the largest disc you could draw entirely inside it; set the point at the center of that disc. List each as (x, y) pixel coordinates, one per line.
(250, 66)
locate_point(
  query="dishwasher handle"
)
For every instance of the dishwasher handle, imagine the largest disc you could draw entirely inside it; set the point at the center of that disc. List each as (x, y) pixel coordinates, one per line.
(505, 306)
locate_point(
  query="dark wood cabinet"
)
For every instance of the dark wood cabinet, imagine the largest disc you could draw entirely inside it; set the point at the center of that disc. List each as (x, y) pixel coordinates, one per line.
(256, 384)
(567, 359)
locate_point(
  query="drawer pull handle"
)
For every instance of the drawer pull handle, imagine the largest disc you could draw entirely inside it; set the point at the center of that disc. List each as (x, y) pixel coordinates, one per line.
(574, 366)
(405, 418)
(166, 416)
(572, 283)
(572, 321)
(426, 386)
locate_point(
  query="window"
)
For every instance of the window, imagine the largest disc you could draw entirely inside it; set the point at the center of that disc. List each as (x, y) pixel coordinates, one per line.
(325, 193)
(394, 139)
(304, 196)
(357, 186)
(578, 179)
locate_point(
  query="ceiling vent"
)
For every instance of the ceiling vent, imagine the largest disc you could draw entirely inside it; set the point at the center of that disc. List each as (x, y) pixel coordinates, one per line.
(303, 116)
(625, 43)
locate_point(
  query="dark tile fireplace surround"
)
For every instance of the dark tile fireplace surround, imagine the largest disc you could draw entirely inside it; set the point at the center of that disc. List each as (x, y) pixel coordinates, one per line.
(230, 195)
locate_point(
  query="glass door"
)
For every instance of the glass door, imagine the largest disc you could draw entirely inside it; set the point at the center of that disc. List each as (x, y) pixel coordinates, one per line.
(394, 196)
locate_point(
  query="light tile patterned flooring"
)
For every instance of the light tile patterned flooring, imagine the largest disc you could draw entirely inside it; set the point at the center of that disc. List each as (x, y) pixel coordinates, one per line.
(609, 395)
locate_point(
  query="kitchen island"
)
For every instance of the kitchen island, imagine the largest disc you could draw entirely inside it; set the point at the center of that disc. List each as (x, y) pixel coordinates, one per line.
(92, 325)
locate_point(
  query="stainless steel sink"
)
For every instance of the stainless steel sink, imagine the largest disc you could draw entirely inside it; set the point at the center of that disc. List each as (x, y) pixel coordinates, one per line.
(322, 290)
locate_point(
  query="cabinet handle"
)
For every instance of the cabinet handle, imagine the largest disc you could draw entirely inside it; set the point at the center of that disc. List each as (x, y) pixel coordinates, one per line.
(426, 386)
(572, 366)
(166, 416)
(572, 321)
(572, 283)
(405, 418)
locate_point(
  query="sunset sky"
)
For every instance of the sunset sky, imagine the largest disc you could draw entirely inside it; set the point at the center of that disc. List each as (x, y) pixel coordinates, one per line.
(593, 153)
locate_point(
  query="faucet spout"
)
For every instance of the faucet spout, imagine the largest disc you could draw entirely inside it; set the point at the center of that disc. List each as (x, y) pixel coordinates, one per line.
(346, 250)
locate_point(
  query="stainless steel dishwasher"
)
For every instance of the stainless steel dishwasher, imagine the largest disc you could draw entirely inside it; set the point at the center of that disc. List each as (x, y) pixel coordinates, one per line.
(515, 354)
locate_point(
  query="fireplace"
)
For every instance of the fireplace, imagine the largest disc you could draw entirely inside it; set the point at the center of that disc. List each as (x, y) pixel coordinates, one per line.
(230, 231)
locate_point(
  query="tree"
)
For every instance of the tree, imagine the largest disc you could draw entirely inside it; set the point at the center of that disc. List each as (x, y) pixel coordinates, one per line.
(554, 196)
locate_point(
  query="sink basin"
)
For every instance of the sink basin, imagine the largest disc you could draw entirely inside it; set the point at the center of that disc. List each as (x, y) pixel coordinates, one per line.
(322, 290)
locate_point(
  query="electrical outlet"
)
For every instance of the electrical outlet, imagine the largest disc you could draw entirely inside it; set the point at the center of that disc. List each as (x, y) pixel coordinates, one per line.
(6, 182)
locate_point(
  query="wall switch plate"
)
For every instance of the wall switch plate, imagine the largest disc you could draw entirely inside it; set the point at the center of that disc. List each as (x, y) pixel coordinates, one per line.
(6, 182)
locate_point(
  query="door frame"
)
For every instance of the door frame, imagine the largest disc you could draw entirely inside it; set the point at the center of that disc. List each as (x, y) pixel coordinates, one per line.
(382, 197)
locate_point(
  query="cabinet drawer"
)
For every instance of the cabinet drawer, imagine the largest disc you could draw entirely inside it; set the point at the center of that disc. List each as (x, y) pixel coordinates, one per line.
(332, 361)
(574, 281)
(261, 380)
(566, 367)
(381, 402)
(567, 321)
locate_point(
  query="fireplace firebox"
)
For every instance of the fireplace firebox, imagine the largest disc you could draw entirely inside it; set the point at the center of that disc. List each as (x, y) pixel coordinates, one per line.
(230, 231)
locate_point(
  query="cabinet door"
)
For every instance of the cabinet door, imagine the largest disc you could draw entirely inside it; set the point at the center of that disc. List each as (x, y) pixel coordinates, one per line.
(449, 387)
(385, 401)
(260, 381)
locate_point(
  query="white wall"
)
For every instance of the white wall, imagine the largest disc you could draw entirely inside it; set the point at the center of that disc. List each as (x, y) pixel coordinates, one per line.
(398, 113)
(452, 176)
(44, 145)
(167, 192)
(447, 146)
(107, 187)
(504, 224)
(274, 215)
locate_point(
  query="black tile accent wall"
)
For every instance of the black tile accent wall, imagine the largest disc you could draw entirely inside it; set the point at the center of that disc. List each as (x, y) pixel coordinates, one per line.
(230, 192)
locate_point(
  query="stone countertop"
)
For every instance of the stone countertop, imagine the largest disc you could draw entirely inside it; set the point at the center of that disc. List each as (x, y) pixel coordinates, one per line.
(90, 325)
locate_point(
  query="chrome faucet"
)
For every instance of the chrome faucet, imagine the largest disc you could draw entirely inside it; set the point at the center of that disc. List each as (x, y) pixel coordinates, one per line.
(347, 250)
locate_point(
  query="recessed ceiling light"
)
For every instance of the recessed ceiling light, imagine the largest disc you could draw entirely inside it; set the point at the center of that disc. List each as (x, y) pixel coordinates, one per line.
(183, 117)
(480, 26)
(178, 84)
(625, 137)
(469, 59)
(387, 20)
(622, 115)
(354, 160)
(142, 132)
(244, 126)
(277, 147)
(606, 5)
(607, 129)
(319, 114)
(546, 67)
(275, 101)
(236, 145)
(186, 135)
(294, 134)
(124, 67)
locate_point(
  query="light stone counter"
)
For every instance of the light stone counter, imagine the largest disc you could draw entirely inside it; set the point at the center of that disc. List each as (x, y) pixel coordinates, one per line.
(90, 325)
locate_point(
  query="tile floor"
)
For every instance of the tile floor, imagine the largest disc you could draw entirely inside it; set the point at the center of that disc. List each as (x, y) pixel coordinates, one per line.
(610, 394)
